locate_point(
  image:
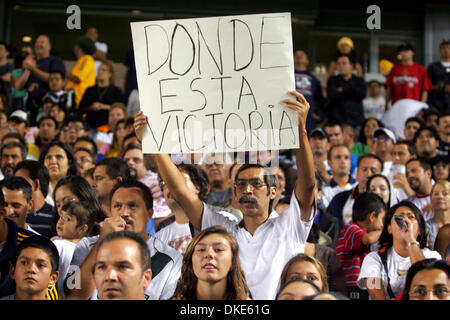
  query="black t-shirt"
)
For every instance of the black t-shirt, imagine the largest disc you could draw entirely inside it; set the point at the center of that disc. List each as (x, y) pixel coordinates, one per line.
(49, 64)
(439, 75)
(107, 95)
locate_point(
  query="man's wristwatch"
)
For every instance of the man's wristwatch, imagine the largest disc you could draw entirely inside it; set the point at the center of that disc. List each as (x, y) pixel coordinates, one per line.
(413, 243)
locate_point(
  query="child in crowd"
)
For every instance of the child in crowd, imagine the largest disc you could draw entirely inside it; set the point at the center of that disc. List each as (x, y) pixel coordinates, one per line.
(76, 222)
(34, 269)
(356, 238)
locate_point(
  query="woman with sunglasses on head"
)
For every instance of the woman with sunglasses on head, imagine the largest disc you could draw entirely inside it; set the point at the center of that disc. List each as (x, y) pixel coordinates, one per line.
(403, 242)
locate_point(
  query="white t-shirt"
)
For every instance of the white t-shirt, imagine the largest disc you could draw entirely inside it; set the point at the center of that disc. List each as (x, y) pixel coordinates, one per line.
(65, 250)
(264, 255)
(328, 192)
(372, 267)
(374, 107)
(162, 285)
(421, 202)
(176, 235)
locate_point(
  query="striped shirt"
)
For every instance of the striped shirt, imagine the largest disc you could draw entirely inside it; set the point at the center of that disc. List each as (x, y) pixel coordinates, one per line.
(41, 220)
(351, 251)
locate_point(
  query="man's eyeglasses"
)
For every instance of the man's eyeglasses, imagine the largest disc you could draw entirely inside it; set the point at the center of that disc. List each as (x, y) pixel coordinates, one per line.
(440, 292)
(380, 139)
(66, 129)
(241, 184)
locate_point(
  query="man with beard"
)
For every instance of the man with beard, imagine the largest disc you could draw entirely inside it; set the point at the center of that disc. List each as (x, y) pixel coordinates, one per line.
(426, 141)
(216, 167)
(106, 174)
(10, 155)
(131, 209)
(418, 173)
(265, 244)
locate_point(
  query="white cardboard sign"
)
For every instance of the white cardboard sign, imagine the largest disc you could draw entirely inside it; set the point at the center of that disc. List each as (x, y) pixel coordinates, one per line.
(216, 84)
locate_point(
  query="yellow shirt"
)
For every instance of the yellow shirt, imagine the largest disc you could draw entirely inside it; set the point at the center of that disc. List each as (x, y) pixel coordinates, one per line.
(84, 69)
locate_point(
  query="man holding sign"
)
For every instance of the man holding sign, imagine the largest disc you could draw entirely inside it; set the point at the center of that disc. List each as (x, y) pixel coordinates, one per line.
(265, 245)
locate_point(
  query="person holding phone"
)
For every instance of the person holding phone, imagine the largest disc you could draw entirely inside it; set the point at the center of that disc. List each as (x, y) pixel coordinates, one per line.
(403, 242)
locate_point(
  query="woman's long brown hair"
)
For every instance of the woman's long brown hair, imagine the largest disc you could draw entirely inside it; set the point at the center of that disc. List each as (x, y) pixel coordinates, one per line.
(237, 288)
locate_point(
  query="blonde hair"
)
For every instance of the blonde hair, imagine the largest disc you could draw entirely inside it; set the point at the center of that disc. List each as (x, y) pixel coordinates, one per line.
(301, 257)
(443, 183)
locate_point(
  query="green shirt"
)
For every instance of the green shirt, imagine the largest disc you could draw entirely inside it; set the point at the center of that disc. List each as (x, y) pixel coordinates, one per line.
(18, 93)
(359, 149)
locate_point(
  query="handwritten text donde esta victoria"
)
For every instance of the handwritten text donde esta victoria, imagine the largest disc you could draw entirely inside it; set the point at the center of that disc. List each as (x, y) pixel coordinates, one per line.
(216, 84)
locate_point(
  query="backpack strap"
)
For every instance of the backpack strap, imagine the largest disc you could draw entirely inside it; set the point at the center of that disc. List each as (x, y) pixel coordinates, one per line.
(383, 255)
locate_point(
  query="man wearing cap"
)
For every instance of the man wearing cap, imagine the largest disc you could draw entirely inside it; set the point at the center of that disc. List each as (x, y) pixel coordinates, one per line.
(384, 140)
(82, 75)
(35, 76)
(345, 46)
(407, 79)
(18, 120)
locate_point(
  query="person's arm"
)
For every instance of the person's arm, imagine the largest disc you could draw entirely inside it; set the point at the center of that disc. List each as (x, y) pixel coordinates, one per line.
(388, 98)
(19, 84)
(306, 182)
(376, 288)
(72, 77)
(87, 284)
(371, 237)
(6, 77)
(424, 96)
(173, 178)
(30, 64)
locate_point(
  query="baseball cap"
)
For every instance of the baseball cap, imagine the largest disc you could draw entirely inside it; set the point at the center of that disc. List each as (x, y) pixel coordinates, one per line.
(319, 132)
(19, 116)
(387, 132)
(345, 40)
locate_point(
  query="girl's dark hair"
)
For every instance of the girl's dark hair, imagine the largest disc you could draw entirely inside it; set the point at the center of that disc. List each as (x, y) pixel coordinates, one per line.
(386, 238)
(426, 264)
(73, 167)
(361, 137)
(388, 205)
(199, 178)
(85, 195)
(237, 288)
(85, 216)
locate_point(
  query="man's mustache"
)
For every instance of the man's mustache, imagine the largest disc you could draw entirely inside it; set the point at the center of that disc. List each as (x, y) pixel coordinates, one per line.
(247, 199)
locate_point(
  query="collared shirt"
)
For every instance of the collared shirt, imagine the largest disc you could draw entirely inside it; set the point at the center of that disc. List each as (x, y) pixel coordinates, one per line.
(264, 254)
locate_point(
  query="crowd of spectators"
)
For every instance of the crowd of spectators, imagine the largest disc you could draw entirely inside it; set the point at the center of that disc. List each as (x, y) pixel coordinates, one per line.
(360, 211)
